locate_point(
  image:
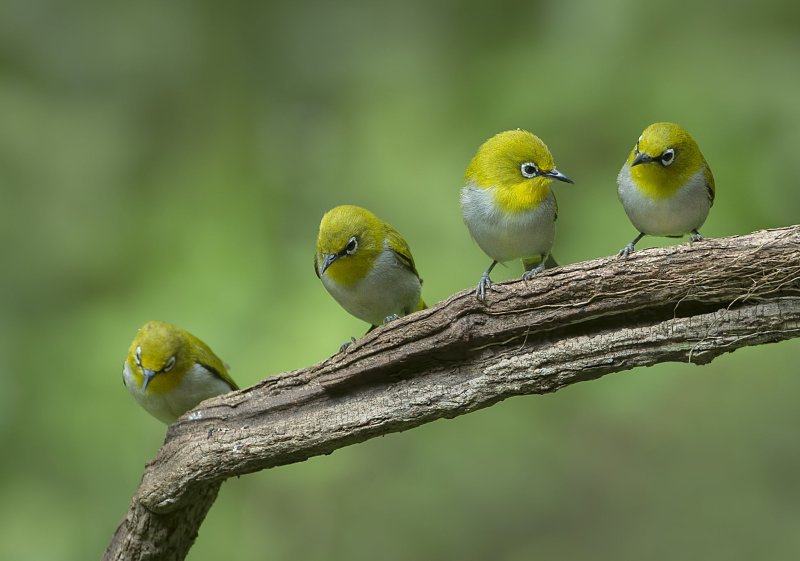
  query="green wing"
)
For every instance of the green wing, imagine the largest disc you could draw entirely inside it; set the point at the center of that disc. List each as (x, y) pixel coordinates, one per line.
(400, 248)
(208, 359)
(709, 183)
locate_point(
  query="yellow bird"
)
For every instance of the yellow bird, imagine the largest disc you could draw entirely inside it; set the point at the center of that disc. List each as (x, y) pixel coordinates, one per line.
(366, 266)
(507, 202)
(665, 186)
(169, 371)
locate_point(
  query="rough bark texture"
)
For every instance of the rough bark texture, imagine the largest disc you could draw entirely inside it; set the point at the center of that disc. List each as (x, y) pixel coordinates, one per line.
(573, 323)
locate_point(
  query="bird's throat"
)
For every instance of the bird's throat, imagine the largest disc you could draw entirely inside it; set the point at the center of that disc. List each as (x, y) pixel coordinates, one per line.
(521, 197)
(347, 271)
(657, 182)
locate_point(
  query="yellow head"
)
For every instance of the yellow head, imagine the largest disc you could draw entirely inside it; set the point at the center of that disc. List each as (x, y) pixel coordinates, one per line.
(350, 239)
(665, 158)
(519, 168)
(161, 354)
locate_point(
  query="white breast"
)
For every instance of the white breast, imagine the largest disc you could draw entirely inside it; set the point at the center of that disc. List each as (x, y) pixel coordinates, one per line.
(389, 288)
(678, 215)
(503, 236)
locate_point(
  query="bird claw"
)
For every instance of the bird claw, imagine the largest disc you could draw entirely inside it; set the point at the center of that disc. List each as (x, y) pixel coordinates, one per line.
(483, 285)
(695, 237)
(392, 317)
(345, 346)
(625, 251)
(528, 275)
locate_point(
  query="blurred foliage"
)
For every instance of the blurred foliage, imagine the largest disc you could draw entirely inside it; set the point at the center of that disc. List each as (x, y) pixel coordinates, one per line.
(172, 160)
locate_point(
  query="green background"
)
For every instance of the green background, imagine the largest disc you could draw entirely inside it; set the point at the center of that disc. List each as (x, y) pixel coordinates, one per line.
(172, 160)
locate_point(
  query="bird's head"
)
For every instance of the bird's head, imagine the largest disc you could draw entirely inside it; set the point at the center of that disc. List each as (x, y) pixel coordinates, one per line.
(517, 165)
(665, 157)
(350, 239)
(159, 356)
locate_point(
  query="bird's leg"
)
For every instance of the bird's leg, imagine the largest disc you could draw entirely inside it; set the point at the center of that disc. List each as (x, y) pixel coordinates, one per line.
(628, 249)
(485, 283)
(533, 268)
(696, 236)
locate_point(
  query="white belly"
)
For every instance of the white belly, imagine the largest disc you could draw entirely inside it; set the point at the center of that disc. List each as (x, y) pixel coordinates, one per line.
(675, 216)
(198, 384)
(389, 289)
(504, 236)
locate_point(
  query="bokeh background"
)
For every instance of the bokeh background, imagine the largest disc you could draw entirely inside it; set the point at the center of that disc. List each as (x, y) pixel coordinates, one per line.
(172, 160)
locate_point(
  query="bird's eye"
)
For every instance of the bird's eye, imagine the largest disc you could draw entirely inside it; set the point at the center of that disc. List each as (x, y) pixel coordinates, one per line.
(529, 169)
(351, 246)
(137, 356)
(170, 363)
(667, 157)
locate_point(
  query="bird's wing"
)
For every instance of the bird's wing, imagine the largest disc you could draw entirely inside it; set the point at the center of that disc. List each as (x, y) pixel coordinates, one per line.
(709, 177)
(400, 248)
(207, 358)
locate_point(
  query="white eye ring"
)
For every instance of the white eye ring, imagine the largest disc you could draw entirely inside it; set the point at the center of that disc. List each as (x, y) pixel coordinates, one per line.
(351, 246)
(667, 157)
(529, 170)
(137, 356)
(170, 363)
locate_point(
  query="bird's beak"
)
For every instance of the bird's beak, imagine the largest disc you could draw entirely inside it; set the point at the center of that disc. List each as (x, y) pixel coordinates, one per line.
(327, 260)
(148, 375)
(642, 158)
(555, 174)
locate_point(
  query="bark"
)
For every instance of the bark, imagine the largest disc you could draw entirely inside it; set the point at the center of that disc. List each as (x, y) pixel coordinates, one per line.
(687, 303)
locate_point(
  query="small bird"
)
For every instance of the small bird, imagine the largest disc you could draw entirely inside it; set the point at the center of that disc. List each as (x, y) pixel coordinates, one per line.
(507, 203)
(168, 371)
(366, 266)
(665, 186)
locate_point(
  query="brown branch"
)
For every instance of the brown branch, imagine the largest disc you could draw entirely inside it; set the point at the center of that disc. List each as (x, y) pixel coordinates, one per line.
(573, 323)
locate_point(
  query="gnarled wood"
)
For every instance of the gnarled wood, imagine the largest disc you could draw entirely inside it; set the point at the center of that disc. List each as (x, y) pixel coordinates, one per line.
(573, 323)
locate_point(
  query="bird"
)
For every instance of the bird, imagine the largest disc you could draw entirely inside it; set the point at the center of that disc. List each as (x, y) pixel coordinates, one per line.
(665, 185)
(169, 371)
(366, 266)
(507, 203)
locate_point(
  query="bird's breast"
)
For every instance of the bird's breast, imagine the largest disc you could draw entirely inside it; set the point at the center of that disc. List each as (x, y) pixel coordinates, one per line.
(503, 235)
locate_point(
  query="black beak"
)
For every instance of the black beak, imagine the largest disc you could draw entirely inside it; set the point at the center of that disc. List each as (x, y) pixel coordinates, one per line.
(327, 260)
(555, 174)
(642, 158)
(148, 375)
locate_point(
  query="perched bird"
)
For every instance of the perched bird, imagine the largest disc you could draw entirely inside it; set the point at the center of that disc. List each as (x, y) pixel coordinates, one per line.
(665, 185)
(507, 202)
(168, 371)
(366, 266)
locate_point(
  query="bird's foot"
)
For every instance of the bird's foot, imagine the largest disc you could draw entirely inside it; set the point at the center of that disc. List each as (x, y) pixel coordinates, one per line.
(695, 237)
(625, 251)
(345, 346)
(528, 275)
(483, 285)
(392, 317)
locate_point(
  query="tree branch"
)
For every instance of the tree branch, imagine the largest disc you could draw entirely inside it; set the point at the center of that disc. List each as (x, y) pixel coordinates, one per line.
(573, 323)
